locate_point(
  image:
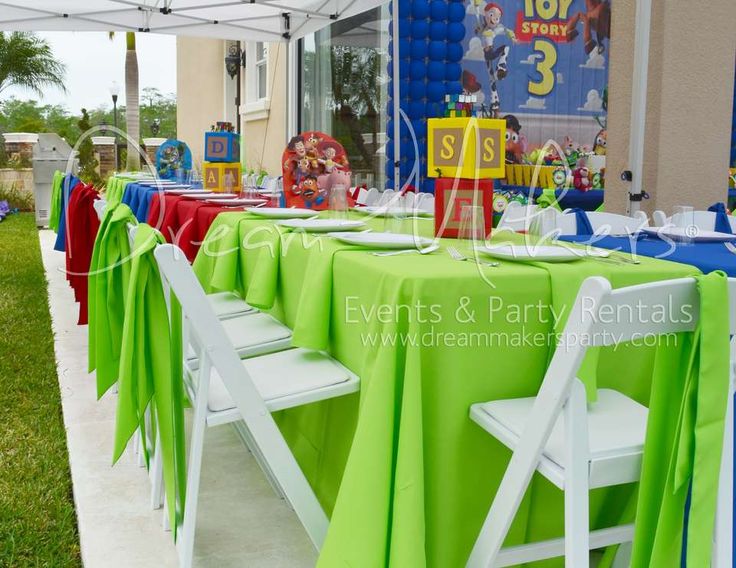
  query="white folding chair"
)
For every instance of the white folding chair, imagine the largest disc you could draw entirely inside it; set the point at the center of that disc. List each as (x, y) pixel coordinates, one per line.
(386, 197)
(580, 447)
(703, 220)
(372, 197)
(257, 387)
(262, 334)
(409, 200)
(517, 217)
(551, 222)
(426, 203)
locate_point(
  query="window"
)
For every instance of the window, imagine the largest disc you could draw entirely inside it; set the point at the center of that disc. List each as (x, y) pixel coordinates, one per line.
(261, 69)
(343, 89)
(257, 96)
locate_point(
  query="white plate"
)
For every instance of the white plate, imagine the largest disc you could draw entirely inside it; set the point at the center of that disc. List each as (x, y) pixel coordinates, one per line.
(187, 191)
(524, 253)
(160, 182)
(233, 202)
(392, 211)
(282, 212)
(383, 240)
(683, 234)
(321, 225)
(208, 196)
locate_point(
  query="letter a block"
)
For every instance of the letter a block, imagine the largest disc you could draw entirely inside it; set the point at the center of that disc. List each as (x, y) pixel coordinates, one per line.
(215, 176)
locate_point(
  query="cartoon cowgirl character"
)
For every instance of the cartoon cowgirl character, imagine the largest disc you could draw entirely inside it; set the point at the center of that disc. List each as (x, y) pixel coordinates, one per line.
(329, 159)
(489, 28)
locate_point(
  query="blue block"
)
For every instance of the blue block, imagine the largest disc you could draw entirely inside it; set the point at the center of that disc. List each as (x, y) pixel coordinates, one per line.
(221, 147)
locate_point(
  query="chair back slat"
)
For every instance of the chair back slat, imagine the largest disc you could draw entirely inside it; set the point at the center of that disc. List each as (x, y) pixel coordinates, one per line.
(638, 313)
(550, 221)
(206, 329)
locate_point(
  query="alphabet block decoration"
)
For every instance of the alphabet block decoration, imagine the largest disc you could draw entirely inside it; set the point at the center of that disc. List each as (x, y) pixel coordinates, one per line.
(221, 147)
(451, 195)
(218, 175)
(468, 148)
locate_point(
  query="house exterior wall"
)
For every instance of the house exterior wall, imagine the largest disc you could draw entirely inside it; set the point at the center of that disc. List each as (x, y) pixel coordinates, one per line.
(690, 98)
(200, 88)
(264, 132)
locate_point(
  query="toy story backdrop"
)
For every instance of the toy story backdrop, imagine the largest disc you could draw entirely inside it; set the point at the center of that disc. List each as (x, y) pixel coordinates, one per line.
(545, 63)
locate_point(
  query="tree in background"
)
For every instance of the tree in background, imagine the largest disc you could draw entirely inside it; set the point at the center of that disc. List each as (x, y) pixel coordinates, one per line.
(29, 116)
(132, 104)
(132, 110)
(86, 153)
(161, 107)
(26, 61)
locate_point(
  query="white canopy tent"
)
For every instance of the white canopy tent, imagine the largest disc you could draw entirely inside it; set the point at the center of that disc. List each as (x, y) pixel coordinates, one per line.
(242, 20)
(275, 20)
(251, 20)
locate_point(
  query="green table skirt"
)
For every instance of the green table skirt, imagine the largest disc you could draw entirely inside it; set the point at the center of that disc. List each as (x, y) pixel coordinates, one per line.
(405, 475)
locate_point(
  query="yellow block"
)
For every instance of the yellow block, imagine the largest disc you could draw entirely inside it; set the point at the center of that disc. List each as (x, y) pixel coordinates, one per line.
(215, 175)
(469, 148)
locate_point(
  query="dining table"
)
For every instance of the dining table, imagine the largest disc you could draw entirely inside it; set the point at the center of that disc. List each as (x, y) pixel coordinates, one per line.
(706, 256)
(405, 476)
(183, 220)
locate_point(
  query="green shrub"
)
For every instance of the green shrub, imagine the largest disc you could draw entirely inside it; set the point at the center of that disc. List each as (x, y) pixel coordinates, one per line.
(17, 197)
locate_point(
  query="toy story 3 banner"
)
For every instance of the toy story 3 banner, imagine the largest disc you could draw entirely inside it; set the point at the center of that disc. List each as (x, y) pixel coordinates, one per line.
(545, 62)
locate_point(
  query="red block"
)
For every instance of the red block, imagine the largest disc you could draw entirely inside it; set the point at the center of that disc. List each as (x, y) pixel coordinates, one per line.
(451, 194)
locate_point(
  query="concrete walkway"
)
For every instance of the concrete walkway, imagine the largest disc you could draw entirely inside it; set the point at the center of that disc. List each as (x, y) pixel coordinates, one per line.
(241, 521)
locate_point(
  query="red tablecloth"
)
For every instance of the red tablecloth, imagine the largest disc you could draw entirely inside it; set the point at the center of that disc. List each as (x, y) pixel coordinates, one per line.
(183, 221)
(80, 239)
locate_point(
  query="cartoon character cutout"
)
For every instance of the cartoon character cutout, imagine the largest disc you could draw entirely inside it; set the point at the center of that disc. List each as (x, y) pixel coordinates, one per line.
(310, 192)
(515, 141)
(310, 161)
(311, 143)
(597, 18)
(329, 159)
(599, 147)
(489, 28)
(303, 170)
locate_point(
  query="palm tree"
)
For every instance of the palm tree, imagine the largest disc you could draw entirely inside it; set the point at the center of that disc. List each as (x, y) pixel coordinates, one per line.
(26, 61)
(132, 104)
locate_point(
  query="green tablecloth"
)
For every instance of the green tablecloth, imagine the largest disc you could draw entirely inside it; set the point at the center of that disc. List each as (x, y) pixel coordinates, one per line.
(428, 337)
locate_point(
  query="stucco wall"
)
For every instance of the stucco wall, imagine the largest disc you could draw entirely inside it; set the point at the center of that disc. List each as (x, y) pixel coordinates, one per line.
(264, 139)
(200, 69)
(690, 98)
(22, 179)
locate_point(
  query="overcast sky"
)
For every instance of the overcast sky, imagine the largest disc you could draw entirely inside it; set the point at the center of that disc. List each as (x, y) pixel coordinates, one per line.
(93, 62)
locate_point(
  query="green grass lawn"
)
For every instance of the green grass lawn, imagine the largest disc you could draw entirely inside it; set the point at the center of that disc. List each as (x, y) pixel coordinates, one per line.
(38, 526)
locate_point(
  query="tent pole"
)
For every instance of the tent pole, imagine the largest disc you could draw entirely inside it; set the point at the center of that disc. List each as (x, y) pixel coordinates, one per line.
(639, 103)
(396, 93)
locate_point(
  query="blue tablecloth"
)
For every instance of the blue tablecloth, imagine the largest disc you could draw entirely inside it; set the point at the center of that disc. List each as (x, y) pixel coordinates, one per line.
(138, 198)
(707, 257)
(567, 198)
(67, 185)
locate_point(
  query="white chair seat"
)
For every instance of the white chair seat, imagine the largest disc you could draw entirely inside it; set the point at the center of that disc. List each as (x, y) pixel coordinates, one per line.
(284, 379)
(616, 429)
(227, 304)
(252, 334)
